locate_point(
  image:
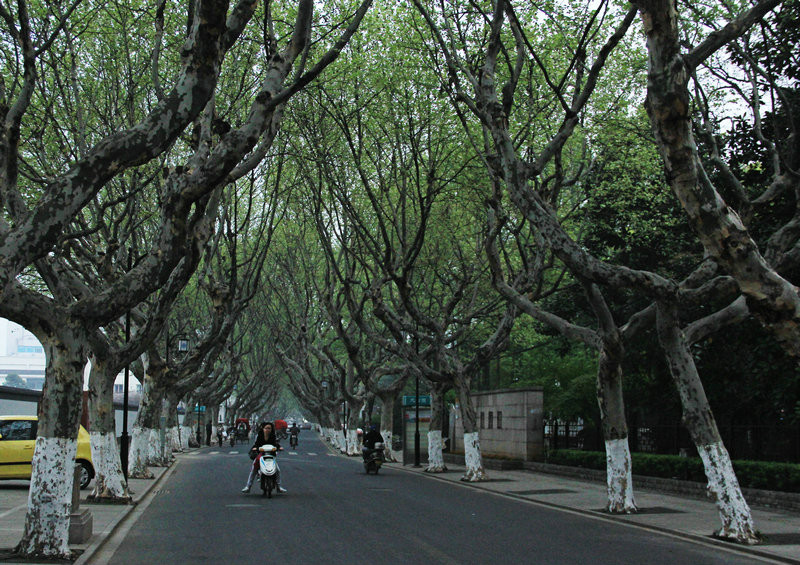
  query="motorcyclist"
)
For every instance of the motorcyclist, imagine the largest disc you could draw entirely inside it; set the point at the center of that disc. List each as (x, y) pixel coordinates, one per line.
(294, 432)
(372, 437)
(266, 435)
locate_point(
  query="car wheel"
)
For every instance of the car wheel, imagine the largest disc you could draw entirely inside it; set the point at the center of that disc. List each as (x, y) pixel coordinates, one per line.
(87, 473)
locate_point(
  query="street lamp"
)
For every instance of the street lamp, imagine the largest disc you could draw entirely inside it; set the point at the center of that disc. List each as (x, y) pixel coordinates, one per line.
(199, 429)
(416, 425)
(124, 438)
(182, 347)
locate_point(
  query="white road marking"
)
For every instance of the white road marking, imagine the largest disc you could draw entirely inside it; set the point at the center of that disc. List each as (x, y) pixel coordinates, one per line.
(12, 510)
(311, 453)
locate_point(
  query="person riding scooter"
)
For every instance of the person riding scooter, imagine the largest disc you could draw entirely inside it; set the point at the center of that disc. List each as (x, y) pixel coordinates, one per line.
(372, 437)
(266, 435)
(294, 433)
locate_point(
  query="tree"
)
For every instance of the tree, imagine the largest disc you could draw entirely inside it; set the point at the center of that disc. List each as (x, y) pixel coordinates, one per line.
(212, 157)
(482, 79)
(770, 297)
(13, 379)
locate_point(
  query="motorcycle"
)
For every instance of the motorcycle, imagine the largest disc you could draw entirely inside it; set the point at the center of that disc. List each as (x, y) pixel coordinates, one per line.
(293, 440)
(268, 470)
(373, 459)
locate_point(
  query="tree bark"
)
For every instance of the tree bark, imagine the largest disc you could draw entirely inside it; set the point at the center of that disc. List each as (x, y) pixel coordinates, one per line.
(619, 468)
(174, 435)
(772, 300)
(473, 460)
(737, 522)
(109, 480)
(144, 441)
(46, 528)
(354, 406)
(387, 424)
(435, 445)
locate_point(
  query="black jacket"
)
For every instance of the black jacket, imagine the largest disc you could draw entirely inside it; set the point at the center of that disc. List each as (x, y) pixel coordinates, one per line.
(271, 440)
(371, 438)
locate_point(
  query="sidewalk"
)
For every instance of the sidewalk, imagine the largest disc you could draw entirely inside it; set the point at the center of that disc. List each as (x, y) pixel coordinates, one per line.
(684, 517)
(105, 517)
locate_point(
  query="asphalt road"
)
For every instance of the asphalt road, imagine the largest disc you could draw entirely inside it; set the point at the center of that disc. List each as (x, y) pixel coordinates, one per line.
(334, 513)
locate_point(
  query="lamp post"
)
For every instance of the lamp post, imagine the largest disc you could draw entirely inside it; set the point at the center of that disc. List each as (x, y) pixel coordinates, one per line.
(124, 438)
(183, 347)
(199, 429)
(416, 426)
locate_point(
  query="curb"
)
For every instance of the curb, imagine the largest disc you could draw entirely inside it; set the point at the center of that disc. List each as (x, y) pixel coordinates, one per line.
(766, 499)
(108, 532)
(616, 519)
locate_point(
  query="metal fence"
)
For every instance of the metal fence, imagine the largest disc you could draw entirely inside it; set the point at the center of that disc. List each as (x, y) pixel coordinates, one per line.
(757, 443)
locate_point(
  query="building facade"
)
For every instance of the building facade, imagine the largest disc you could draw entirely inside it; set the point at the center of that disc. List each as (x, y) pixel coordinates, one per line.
(510, 424)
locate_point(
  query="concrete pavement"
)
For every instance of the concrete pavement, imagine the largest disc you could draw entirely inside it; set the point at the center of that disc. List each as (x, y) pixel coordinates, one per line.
(668, 514)
(105, 517)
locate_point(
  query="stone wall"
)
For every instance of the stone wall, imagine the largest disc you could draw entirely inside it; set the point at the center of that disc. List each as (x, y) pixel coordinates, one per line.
(509, 422)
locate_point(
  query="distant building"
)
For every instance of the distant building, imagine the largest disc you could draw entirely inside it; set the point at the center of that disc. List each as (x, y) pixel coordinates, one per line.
(21, 354)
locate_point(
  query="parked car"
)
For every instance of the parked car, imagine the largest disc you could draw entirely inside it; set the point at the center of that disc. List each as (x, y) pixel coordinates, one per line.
(305, 425)
(17, 440)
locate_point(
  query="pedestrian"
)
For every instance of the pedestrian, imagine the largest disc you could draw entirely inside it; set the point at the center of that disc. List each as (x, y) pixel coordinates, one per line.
(220, 432)
(208, 433)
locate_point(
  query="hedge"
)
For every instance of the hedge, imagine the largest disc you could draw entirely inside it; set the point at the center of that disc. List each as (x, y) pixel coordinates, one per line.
(751, 474)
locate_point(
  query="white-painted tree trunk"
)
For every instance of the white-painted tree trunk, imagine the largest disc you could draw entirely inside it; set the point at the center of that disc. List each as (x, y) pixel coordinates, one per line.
(472, 458)
(387, 445)
(138, 455)
(156, 453)
(734, 513)
(186, 433)
(723, 486)
(619, 477)
(50, 498)
(352, 442)
(174, 439)
(109, 480)
(435, 457)
(341, 441)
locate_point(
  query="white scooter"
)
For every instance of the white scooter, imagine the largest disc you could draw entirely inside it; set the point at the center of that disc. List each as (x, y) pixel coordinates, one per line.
(268, 469)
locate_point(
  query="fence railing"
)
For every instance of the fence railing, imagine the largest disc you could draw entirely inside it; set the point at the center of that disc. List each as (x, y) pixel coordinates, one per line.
(758, 443)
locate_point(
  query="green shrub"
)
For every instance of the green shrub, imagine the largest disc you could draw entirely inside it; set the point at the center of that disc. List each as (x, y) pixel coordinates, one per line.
(751, 474)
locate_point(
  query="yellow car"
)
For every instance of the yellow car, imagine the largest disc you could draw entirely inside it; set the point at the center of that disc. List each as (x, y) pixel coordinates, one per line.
(17, 440)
